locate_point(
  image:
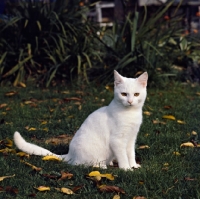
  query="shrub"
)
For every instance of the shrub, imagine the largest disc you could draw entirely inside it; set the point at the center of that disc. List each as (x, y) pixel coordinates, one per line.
(144, 44)
(46, 41)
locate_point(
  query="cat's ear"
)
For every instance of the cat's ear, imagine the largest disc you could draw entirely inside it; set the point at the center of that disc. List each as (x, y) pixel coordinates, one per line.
(142, 79)
(118, 78)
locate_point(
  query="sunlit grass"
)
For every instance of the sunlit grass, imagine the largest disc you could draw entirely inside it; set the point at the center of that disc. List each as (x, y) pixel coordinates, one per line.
(168, 171)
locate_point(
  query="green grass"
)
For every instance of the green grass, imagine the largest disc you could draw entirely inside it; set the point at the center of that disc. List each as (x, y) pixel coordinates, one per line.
(163, 174)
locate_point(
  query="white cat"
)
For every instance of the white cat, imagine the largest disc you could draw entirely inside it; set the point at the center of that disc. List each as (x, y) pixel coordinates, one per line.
(109, 132)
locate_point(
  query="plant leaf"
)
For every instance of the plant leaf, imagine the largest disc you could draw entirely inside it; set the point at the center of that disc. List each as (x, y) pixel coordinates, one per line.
(180, 122)
(94, 173)
(7, 150)
(116, 197)
(9, 143)
(169, 117)
(23, 154)
(51, 158)
(187, 144)
(32, 166)
(143, 147)
(10, 93)
(65, 175)
(176, 153)
(4, 177)
(42, 188)
(108, 176)
(106, 188)
(66, 191)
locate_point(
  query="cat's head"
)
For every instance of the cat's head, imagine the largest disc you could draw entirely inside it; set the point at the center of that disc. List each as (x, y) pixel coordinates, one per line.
(130, 92)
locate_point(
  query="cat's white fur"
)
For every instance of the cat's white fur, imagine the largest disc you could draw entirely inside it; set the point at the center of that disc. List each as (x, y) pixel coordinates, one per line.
(107, 133)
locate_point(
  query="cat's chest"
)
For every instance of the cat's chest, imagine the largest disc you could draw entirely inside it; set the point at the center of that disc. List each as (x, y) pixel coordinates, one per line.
(126, 122)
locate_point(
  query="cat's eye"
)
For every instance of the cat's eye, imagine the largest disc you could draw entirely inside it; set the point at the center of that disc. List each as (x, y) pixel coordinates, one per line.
(124, 94)
(136, 94)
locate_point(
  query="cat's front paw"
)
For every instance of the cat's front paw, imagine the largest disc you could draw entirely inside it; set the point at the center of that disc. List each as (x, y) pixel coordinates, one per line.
(136, 166)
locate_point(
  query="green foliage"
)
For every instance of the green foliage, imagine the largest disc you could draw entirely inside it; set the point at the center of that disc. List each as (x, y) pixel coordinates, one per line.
(45, 41)
(144, 43)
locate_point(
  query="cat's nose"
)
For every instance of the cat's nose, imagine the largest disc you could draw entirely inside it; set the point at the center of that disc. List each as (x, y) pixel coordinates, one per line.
(130, 101)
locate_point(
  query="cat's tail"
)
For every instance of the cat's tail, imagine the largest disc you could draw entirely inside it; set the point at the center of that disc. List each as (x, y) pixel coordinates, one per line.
(30, 148)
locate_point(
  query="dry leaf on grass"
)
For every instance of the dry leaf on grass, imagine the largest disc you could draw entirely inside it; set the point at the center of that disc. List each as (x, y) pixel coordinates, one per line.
(23, 154)
(187, 144)
(169, 117)
(71, 99)
(180, 122)
(10, 93)
(8, 142)
(3, 105)
(11, 190)
(116, 197)
(176, 153)
(7, 150)
(32, 129)
(4, 177)
(32, 166)
(65, 175)
(65, 190)
(147, 113)
(139, 197)
(42, 188)
(98, 174)
(51, 158)
(158, 122)
(107, 188)
(143, 147)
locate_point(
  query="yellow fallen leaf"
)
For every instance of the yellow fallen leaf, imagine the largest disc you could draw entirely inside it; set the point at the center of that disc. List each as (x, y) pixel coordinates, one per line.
(147, 113)
(9, 143)
(22, 84)
(108, 176)
(32, 166)
(32, 129)
(166, 164)
(108, 87)
(141, 182)
(158, 122)
(4, 177)
(176, 153)
(139, 197)
(169, 117)
(52, 110)
(180, 122)
(23, 154)
(51, 158)
(98, 174)
(116, 197)
(45, 129)
(143, 147)
(44, 122)
(42, 188)
(187, 144)
(194, 133)
(3, 105)
(94, 173)
(197, 93)
(10, 93)
(28, 102)
(7, 150)
(66, 191)
(65, 92)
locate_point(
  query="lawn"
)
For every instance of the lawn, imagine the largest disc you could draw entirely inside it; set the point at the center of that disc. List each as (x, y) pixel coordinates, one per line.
(168, 170)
